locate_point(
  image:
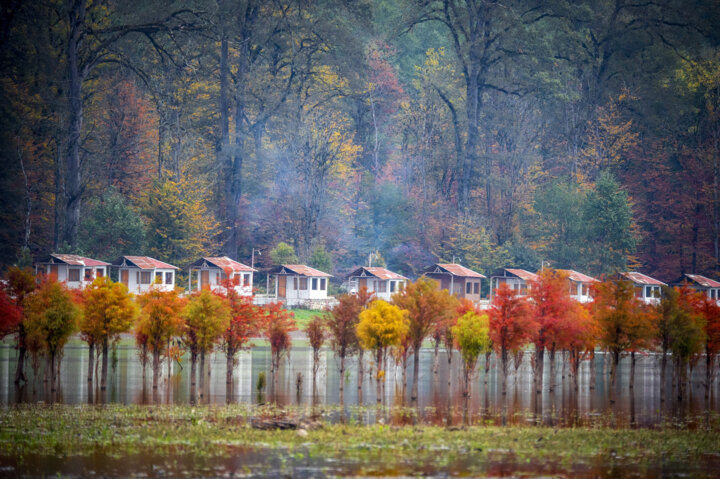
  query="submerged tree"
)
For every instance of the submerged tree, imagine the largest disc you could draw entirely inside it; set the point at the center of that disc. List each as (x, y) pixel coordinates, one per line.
(382, 326)
(20, 283)
(341, 323)
(472, 337)
(277, 325)
(245, 320)
(316, 334)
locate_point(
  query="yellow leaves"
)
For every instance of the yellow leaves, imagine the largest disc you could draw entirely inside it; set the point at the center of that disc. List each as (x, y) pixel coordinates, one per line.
(382, 325)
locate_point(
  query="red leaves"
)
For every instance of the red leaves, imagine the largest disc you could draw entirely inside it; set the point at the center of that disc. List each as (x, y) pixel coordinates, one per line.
(10, 314)
(512, 324)
(552, 308)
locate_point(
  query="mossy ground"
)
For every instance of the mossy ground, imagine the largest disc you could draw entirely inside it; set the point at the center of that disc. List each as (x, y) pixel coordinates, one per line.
(217, 432)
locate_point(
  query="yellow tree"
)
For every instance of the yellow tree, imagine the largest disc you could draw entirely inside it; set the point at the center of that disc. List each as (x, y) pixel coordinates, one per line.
(382, 326)
(472, 338)
(206, 317)
(108, 311)
(160, 321)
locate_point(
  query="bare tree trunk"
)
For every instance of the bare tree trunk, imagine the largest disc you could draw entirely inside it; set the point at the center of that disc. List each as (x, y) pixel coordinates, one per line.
(202, 374)
(91, 357)
(156, 369)
(633, 359)
(20, 369)
(487, 366)
(551, 377)
(416, 373)
(193, 374)
(378, 377)
(709, 374)
(592, 370)
(539, 366)
(360, 372)
(342, 380)
(436, 356)
(229, 370)
(663, 374)
(51, 367)
(466, 394)
(613, 374)
(504, 368)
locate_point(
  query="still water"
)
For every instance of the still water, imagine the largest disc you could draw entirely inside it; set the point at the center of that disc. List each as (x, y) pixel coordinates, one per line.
(638, 407)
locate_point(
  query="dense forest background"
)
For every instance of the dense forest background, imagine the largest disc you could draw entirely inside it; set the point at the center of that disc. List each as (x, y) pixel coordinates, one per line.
(577, 134)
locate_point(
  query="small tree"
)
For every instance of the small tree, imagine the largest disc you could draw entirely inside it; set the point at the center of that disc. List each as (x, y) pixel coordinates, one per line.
(278, 323)
(551, 312)
(206, 317)
(426, 306)
(472, 338)
(51, 317)
(108, 311)
(21, 282)
(245, 320)
(341, 322)
(512, 326)
(687, 334)
(381, 326)
(321, 259)
(10, 314)
(160, 321)
(283, 253)
(316, 333)
(710, 312)
(579, 338)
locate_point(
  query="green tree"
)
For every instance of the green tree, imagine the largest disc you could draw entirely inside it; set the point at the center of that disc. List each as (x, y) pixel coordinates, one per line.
(51, 317)
(108, 311)
(472, 337)
(283, 253)
(610, 236)
(111, 228)
(382, 326)
(473, 244)
(321, 259)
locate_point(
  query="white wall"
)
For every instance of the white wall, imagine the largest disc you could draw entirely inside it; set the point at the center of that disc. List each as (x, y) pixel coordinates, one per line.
(215, 278)
(309, 293)
(136, 288)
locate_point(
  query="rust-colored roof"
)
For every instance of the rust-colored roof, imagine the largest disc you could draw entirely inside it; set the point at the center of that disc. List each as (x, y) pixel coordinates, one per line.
(522, 274)
(455, 270)
(225, 263)
(578, 277)
(380, 273)
(75, 260)
(146, 262)
(704, 281)
(302, 270)
(640, 278)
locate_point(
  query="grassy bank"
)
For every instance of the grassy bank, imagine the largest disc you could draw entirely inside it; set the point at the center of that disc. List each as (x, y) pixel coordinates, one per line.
(216, 432)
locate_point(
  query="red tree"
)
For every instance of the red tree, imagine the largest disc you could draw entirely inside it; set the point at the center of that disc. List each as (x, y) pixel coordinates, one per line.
(20, 283)
(341, 322)
(710, 311)
(278, 322)
(512, 326)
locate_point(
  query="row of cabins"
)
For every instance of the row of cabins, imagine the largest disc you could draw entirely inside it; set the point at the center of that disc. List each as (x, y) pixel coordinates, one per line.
(297, 285)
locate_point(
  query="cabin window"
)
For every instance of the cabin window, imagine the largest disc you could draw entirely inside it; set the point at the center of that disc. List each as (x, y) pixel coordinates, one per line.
(145, 277)
(246, 280)
(74, 275)
(652, 292)
(303, 283)
(468, 288)
(382, 286)
(99, 272)
(393, 285)
(476, 288)
(713, 294)
(88, 274)
(168, 277)
(585, 291)
(158, 277)
(323, 284)
(295, 282)
(314, 284)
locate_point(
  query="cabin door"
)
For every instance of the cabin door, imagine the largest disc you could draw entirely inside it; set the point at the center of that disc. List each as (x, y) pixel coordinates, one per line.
(362, 283)
(124, 275)
(204, 278)
(282, 286)
(54, 272)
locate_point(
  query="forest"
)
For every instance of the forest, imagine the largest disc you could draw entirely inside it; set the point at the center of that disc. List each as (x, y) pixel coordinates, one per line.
(576, 134)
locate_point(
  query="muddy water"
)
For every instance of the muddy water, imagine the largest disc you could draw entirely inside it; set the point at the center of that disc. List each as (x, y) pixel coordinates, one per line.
(637, 407)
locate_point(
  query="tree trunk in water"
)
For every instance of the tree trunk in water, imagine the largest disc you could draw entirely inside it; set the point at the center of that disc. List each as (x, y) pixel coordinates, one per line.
(193, 374)
(202, 374)
(466, 394)
(229, 369)
(436, 356)
(663, 374)
(539, 359)
(504, 368)
(342, 381)
(613, 374)
(592, 370)
(20, 369)
(404, 378)
(156, 369)
(448, 420)
(360, 373)
(103, 370)
(379, 377)
(91, 357)
(487, 366)
(632, 369)
(551, 376)
(681, 371)
(709, 366)
(51, 367)
(416, 372)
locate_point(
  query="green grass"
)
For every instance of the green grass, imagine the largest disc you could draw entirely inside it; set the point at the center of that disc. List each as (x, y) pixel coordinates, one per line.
(304, 316)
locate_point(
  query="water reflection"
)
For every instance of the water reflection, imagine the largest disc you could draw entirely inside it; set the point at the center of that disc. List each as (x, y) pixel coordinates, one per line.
(440, 395)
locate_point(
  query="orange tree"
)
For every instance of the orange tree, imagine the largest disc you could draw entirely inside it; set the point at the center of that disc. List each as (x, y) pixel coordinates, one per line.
(578, 338)
(427, 305)
(51, 317)
(20, 283)
(316, 334)
(341, 322)
(511, 326)
(551, 312)
(160, 321)
(108, 311)
(278, 322)
(245, 320)
(206, 316)
(710, 312)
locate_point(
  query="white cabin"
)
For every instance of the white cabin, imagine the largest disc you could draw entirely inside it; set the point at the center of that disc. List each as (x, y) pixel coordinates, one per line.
(647, 289)
(74, 271)
(300, 285)
(516, 279)
(140, 273)
(580, 285)
(706, 285)
(214, 272)
(380, 281)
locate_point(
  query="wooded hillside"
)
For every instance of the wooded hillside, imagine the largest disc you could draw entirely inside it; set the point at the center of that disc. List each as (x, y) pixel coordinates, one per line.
(585, 134)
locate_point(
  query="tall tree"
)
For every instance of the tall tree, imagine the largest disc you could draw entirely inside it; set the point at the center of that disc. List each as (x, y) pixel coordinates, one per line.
(472, 337)
(341, 325)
